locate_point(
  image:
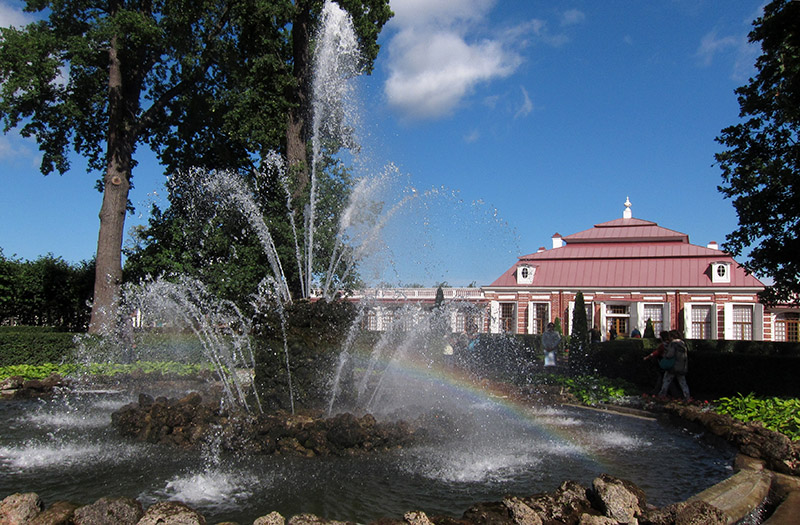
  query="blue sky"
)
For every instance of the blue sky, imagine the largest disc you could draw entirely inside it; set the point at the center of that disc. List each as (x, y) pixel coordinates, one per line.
(532, 117)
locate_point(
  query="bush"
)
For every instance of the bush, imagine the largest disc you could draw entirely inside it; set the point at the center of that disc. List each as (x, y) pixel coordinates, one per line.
(314, 331)
(34, 346)
(780, 415)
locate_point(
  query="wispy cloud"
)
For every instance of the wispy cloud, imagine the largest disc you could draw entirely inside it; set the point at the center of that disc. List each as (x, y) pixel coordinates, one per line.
(736, 47)
(572, 17)
(16, 150)
(10, 16)
(526, 107)
(472, 136)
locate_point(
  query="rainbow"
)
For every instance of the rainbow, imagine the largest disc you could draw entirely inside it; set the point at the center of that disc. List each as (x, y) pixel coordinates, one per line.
(510, 402)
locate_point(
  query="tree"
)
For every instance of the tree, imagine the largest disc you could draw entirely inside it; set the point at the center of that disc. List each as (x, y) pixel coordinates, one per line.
(187, 77)
(369, 17)
(649, 331)
(761, 162)
(579, 339)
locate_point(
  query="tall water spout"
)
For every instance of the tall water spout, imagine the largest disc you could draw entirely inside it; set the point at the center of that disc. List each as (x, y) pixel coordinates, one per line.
(336, 62)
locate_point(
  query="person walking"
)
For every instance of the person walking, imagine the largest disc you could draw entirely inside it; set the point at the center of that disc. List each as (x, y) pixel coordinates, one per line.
(678, 351)
(658, 353)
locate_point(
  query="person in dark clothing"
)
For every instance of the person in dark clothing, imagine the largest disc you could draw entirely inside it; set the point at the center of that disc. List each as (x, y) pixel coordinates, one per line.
(677, 350)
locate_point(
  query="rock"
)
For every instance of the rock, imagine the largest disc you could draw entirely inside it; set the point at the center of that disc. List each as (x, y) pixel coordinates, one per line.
(590, 519)
(345, 431)
(273, 518)
(417, 517)
(567, 504)
(108, 511)
(311, 519)
(59, 513)
(492, 513)
(145, 400)
(687, 513)
(521, 513)
(777, 450)
(193, 399)
(19, 509)
(617, 499)
(12, 383)
(171, 513)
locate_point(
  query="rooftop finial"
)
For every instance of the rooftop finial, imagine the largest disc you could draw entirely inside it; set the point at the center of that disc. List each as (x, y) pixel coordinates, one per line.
(627, 214)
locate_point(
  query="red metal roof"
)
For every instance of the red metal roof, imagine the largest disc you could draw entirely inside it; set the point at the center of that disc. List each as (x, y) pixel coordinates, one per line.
(627, 253)
(627, 230)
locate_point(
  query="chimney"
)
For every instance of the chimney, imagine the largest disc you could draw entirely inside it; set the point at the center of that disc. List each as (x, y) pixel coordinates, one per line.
(713, 245)
(541, 249)
(558, 242)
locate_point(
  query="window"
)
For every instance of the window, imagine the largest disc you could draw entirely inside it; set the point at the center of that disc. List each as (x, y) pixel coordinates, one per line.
(525, 274)
(370, 321)
(787, 327)
(701, 322)
(507, 317)
(387, 318)
(655, 312)
(742, 322)
(720, 272)
(538, 313)
(617, 318)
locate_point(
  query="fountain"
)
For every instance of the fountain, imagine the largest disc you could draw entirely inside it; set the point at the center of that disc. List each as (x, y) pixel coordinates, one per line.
(480, 443)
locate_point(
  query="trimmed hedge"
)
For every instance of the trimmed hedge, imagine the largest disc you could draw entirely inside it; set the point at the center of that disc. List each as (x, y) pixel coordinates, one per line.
(767, 369)
(35, 346)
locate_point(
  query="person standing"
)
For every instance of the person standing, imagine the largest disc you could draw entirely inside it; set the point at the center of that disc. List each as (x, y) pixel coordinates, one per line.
(677, 350)
(550, 341)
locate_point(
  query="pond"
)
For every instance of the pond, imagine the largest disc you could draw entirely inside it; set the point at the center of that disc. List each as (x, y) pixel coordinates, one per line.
(64, 448)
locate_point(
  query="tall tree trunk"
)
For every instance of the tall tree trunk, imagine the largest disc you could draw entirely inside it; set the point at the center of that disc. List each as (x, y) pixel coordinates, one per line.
(108, 273)
(298, 117)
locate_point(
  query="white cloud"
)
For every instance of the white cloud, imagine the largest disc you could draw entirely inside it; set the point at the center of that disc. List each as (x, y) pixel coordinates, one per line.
(16, 150)
(430, 73)
(572, 17)
(526, 107)
(415, 13)
(739, 48)
(440, 51)
(436, 57)
(10, 16)
(711, 45)
(472, 136)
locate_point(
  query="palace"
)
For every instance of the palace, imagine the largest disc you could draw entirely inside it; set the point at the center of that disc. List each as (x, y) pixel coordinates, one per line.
(629, 270)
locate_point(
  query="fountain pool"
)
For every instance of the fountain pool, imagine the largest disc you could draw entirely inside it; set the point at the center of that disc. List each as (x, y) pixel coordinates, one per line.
(64, 448)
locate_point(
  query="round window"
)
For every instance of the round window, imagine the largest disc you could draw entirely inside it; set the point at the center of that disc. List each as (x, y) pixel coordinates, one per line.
(524, 273)
(721, 270)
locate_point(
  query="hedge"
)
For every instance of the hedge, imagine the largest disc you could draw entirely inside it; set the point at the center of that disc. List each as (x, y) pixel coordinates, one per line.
(35, 347)
(767, 369)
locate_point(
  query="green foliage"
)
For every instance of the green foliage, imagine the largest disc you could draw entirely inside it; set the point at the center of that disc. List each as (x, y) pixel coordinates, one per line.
(579, 346)
(45, 292)
(203, 83)
(557, 326)
(592, 389)
(34, 346)
(312, 334)
(761, 162)
(43, 370)
(780, 415)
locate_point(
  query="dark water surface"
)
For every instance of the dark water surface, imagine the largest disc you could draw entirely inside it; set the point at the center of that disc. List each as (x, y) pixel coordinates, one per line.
(64, 449)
